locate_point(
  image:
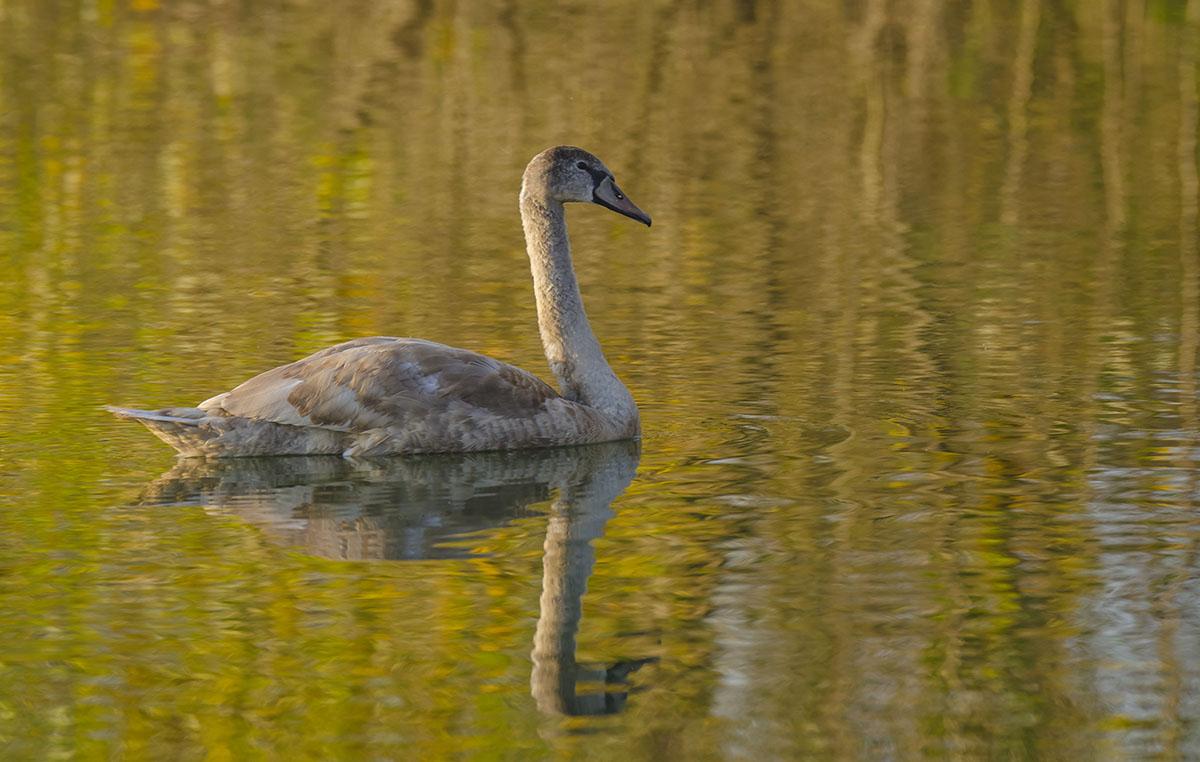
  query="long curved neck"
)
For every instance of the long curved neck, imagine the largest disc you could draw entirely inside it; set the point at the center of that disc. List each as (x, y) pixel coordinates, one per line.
(571, 347)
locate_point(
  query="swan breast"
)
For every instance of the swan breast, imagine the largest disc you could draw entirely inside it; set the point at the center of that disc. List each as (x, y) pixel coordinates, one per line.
(412, 395)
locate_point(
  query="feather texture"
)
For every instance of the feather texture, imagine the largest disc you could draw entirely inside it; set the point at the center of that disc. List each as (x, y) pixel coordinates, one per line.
(383, 395)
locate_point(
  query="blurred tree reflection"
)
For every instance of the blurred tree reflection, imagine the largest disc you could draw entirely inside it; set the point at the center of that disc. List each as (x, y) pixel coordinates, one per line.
(917, 320)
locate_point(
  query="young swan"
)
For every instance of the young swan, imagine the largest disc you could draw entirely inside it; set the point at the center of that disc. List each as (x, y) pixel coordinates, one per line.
(385, 395)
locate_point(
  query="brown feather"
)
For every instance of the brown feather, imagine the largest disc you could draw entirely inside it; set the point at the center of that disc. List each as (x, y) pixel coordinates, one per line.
(387, 395)
(369, 383)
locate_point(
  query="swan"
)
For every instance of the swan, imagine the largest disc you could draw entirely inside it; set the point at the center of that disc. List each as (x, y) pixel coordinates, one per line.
(385, 396)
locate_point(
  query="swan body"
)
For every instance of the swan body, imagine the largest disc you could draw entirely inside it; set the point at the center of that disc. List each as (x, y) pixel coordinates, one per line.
(382, 395)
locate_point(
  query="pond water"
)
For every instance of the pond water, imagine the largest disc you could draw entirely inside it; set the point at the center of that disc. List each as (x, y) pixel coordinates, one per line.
(914, 336)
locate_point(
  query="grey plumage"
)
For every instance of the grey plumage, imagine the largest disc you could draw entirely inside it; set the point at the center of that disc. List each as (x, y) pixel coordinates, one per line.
(383, 395)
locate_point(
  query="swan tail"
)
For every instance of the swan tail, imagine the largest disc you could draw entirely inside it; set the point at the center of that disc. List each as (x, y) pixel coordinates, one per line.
(186, 429)
(186, 416)
(195, 433)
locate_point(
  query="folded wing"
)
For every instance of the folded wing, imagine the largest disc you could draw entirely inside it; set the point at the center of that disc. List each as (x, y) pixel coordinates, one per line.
(384, 382)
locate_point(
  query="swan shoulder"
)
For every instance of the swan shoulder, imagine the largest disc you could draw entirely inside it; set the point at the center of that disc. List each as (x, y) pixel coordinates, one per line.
(383, 382)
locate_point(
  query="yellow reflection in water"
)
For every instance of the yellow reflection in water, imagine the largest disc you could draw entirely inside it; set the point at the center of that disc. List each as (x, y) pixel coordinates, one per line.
(914, 336)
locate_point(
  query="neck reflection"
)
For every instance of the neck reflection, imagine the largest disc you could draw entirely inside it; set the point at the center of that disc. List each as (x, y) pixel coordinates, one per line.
(578, 517)
(420, 507)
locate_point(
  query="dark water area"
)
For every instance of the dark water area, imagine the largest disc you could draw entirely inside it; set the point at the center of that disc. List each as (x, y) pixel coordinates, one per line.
(914, 338)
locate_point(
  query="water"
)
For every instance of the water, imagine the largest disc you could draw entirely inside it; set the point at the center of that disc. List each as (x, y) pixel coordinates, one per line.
(914, 336)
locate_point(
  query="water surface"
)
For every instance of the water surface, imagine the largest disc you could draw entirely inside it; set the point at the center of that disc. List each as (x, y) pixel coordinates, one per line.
(914, 336)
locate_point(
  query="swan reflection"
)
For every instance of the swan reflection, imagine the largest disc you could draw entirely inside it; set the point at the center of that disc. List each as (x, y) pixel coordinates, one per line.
(415, 507)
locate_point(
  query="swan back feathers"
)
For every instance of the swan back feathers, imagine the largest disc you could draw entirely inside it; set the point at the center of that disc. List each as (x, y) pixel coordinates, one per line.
(379, 396)
(369, 383)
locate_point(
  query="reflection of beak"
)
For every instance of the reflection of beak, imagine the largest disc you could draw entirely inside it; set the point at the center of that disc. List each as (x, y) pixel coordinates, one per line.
(608, 194)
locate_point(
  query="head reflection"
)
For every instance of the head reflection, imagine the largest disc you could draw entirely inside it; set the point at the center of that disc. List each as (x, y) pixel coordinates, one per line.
(415, 507)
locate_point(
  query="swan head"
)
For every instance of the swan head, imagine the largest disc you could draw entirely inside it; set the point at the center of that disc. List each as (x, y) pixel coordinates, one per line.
(567, 173)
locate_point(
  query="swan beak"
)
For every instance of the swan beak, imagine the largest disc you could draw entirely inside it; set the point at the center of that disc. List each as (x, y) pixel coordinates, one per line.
(607, 194)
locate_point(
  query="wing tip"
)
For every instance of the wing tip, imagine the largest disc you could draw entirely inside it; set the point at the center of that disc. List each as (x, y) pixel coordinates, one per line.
(134, 414)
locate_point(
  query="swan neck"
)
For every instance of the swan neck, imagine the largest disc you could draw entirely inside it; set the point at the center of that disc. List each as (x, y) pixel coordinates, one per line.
(571, 347)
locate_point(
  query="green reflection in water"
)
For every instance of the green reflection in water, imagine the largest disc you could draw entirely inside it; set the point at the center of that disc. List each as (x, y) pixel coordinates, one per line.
(914, 336)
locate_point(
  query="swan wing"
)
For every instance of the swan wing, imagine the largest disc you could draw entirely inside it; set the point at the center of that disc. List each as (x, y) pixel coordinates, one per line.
(384, 382)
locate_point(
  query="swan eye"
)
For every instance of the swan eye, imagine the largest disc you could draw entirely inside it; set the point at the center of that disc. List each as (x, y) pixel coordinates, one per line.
(619, 197)
(582, 165)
